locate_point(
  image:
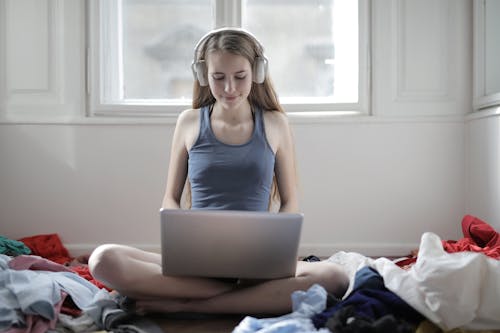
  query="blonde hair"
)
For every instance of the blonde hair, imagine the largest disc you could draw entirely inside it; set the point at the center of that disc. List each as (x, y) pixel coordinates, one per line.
(262, 96)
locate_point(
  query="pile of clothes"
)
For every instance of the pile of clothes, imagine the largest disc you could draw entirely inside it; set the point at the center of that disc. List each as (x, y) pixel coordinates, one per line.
(44, 289)
(444, 286)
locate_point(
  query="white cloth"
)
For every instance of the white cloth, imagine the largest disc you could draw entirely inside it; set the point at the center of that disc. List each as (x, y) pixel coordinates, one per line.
(450, 289)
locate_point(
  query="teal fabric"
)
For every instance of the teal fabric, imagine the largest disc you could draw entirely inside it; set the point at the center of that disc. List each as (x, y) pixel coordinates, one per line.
(12, 247)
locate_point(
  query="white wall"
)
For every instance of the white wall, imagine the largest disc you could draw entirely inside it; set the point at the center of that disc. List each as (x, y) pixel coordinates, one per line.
(483, 165)
(483, 126)
(370, 184)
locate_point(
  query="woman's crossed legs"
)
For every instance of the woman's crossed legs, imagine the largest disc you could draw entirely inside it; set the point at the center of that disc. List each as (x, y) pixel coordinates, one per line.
(138, 274)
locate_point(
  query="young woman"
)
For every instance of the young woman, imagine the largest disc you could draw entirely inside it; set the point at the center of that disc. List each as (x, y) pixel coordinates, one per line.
(234, 149)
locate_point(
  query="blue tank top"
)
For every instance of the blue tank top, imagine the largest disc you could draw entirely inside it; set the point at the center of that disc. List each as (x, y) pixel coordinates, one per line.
(230, 177)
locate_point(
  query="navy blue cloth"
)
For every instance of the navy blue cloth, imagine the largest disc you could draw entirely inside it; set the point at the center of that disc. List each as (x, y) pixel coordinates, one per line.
(370, 299)
(231, 177)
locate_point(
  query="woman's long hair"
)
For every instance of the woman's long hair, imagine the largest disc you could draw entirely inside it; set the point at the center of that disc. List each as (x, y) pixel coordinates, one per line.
(261, 95)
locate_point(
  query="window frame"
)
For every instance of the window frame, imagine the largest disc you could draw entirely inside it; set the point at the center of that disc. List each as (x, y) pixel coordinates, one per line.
(224, 13)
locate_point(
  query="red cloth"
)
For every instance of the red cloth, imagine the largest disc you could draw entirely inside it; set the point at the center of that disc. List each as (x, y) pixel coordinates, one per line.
(48, 246)
(481, 232)
(478, 237)
(407, 262)
(84, 272)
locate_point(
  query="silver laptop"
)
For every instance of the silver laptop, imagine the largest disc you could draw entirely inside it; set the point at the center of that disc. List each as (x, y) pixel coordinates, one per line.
(229, 244)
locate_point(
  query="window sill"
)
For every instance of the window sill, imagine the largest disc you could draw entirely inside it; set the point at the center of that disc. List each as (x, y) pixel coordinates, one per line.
(295, 118)
(493, 111)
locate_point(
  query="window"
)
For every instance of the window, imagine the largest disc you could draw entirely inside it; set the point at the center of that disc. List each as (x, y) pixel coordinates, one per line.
(141, 52)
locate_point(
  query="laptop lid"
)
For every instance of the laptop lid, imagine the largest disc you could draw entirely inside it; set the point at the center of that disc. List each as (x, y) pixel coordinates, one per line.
(232, 244)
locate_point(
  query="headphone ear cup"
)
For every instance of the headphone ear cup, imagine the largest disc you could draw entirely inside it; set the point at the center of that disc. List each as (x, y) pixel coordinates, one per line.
(259, 70)
(200, 69)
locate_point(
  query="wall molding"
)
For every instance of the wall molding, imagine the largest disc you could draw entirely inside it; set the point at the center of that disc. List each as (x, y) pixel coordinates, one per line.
(41, 51)
(41, 46)
(404, 58)
(421, 56)
(483, 97)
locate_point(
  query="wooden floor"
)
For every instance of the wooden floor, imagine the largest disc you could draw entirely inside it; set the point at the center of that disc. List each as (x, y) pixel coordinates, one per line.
(197, 323)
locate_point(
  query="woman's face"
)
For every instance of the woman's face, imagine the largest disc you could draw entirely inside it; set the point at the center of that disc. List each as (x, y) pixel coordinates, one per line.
(229, 78)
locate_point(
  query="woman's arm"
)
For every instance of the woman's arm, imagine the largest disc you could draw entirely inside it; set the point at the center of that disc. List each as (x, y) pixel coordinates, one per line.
(280, 137)
(184, 136)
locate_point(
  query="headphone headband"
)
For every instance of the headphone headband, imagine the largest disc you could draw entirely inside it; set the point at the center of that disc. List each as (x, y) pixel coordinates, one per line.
(209, 34)
(199, 67)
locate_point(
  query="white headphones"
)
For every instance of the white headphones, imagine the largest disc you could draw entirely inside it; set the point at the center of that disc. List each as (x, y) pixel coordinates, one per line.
(199, 66)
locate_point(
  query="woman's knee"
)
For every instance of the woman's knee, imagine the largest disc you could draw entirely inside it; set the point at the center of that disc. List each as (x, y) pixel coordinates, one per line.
(104, 260)
(336, 280)
(329, 275)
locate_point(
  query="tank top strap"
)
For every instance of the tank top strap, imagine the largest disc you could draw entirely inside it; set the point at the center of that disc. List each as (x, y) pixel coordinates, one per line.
(205, 119)
(259, 122)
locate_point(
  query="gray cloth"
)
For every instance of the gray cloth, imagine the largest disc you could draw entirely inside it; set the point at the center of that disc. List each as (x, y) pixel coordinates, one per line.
(119, 321)
(26, 292)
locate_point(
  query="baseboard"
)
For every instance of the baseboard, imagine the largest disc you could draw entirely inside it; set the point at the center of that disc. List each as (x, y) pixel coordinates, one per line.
(82, 249)
(366, 249)
(323, 250)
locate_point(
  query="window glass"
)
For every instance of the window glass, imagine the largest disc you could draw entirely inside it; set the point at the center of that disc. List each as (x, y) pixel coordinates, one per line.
(312, 46)
(142, 50)
(158, 39)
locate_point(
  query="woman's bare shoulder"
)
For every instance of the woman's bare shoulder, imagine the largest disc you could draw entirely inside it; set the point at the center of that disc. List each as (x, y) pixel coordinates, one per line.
(187, 127)
(188, 116)
(276, 128)
(276, 119)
